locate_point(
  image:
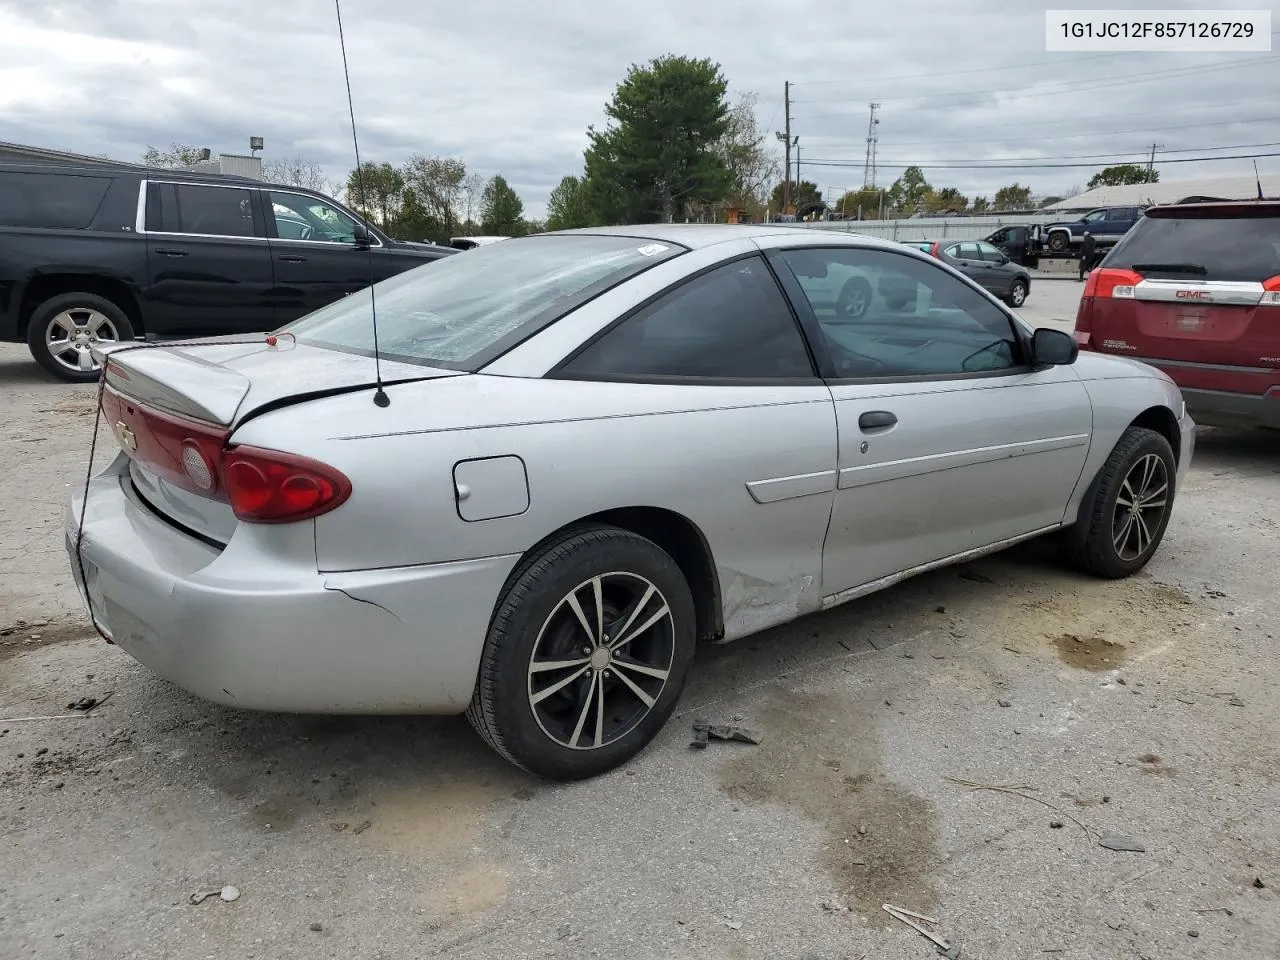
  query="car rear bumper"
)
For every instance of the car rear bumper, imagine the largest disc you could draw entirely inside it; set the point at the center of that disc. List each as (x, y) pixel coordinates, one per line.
(240, 627)
(1220, 408)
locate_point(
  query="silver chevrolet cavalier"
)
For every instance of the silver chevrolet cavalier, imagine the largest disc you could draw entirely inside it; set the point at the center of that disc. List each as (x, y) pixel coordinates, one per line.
(590, 451)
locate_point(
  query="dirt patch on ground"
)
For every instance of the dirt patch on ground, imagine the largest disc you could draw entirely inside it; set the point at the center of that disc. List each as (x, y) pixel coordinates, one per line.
(1089, 653)
(24, 637)
(820, 758)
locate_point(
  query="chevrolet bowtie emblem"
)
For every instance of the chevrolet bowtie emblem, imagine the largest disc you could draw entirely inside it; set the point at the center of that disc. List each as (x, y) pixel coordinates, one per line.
(128, 439)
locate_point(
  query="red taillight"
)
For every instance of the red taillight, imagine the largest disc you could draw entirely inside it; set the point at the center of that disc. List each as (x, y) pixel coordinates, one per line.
(1110, 283)
(181, 451)
(267, 486)
(1271, 294)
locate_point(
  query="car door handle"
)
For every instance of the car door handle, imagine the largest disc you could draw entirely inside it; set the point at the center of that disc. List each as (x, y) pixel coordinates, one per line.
(293, 258)
(171, 251)
(876, 420)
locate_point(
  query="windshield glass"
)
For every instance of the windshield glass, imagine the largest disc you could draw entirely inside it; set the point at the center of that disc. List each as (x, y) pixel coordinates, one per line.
(1212, 248)
(463, 311)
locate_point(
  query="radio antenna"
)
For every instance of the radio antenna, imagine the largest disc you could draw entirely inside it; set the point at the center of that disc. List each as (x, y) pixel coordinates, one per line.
(380, 397)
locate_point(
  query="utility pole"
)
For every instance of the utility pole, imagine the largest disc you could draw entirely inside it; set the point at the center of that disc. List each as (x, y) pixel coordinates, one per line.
(785, 137)
(1152, 162)
(869, 170)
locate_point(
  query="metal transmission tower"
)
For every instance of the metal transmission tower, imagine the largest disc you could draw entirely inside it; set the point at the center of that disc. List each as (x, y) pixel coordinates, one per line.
(869, 171)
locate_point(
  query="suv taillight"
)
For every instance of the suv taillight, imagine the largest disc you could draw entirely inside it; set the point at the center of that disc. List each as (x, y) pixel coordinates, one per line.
(1271, 293)
(267, 486)
(1110, 283)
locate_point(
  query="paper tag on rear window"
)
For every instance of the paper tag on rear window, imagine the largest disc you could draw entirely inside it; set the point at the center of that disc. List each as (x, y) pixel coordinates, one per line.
(651, 249)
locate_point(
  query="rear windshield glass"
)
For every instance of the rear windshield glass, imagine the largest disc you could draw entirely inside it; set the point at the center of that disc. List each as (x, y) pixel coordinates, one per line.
(50, 199)
(460, 312)
(1208, 248)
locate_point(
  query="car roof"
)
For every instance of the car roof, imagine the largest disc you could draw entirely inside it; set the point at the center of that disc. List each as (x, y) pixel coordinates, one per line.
(149, 173)
(1217, 208)
(698, 235)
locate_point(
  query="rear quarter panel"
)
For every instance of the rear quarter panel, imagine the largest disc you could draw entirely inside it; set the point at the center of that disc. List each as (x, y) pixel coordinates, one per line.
(587, 447)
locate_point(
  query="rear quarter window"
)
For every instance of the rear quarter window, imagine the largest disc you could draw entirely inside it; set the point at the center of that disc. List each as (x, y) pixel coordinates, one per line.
(50, 200)
(1238, 248)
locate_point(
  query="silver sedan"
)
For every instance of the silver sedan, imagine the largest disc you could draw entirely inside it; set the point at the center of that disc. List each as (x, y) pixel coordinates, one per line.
(556, 464)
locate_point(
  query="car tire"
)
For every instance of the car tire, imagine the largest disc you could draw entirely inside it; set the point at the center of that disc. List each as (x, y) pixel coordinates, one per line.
(75, 322)
(1110, 539)
(1017, 294)
(1058, 242)
(548, 720)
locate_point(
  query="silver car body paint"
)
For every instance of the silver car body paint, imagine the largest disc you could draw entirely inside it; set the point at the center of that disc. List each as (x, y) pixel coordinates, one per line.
(383, 604)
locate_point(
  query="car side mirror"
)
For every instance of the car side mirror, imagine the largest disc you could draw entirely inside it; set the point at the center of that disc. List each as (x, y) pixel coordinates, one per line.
(1053, 348)
(362, 237)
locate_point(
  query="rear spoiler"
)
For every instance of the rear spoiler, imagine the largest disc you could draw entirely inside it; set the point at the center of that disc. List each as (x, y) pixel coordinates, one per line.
(174, 381)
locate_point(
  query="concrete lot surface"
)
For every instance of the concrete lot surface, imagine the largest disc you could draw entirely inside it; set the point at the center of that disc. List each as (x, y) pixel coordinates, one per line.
(1147, 708)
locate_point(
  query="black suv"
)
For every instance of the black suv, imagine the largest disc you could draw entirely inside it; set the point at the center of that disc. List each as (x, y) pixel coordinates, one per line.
(93, 254)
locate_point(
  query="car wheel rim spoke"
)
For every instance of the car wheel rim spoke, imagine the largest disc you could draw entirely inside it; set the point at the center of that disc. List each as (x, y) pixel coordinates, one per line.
(72, 335)
(1140, 507)
(583, 693)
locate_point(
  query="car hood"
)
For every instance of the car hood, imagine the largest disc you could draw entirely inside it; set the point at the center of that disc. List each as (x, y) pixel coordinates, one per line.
(225, 379)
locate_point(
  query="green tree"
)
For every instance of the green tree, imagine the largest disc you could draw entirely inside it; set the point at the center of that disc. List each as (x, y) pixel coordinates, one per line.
(501, 210)
(440, 185)
(803, 195)
(376, 190)
(948, 199)
(979, 205)
(657, 156)
(907, 195)
(297, 172)
(568, 207)
(1013, 197)
(868, 199)
(178, 155)
(414, 222)
(1050, 201)
(1121, 174)
(741, 148)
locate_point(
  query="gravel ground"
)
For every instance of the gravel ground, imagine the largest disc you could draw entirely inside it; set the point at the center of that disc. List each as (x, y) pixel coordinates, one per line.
(1147, 708)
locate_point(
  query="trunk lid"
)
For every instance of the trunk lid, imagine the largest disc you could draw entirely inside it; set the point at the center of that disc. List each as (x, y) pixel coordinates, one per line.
(174, 409)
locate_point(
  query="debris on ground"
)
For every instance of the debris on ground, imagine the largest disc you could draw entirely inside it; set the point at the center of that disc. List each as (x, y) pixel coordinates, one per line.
(1258, 884)
(1004, 703)
(1055, 824)
(1019, 790)
(227, 894)
(84, 703)
(704, 733)
(316, 927)
(1227, 910)
(916, 922)
(733, 924)
(362, 827)
(1121, 843)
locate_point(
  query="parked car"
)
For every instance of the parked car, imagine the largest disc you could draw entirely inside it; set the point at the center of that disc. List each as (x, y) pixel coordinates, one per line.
(1019, 242)
(470, 243)
(1194, 289)
(1107, 224)
(987, 267)
(593, 450)
(95, 255)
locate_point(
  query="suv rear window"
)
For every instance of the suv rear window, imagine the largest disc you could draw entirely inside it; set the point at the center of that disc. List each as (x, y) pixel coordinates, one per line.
(1213, 244)
(54, 200)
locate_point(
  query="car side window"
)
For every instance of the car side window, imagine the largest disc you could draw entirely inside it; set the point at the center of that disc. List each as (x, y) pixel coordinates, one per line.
(732, 322)
(1094, 216)
(919, 321)
(205, 211)
(968, 251)
(300, 217)
(989, 253)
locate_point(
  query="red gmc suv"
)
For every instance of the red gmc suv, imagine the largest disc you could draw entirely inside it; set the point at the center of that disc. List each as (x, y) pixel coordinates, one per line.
(1194, 289)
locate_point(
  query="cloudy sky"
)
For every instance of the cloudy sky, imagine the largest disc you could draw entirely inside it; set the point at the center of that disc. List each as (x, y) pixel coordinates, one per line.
(510, 86)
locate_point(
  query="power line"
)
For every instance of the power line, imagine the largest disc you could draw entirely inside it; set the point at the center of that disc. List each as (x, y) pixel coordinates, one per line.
(1077, 86)
(955, 73)
(1065, 136)
(1034, 165)
(1141, 154)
